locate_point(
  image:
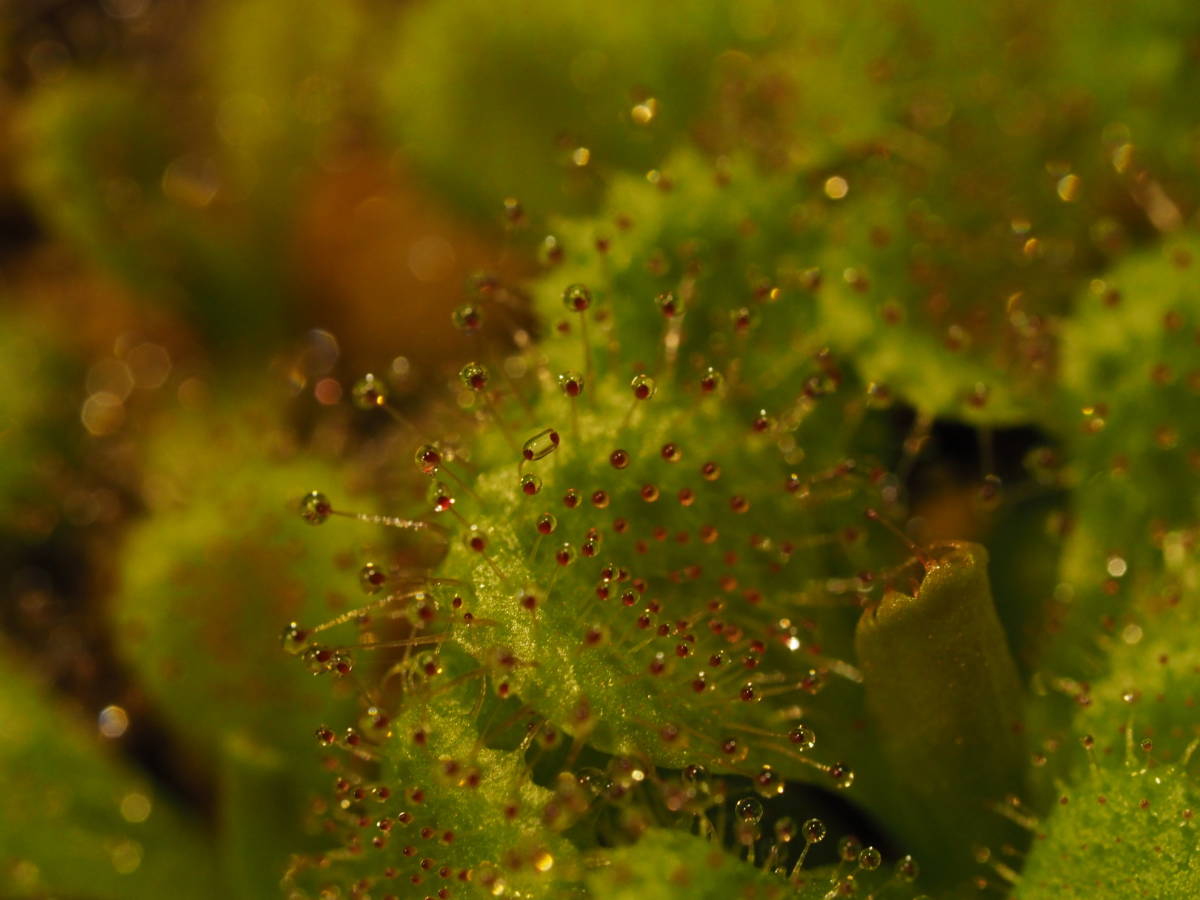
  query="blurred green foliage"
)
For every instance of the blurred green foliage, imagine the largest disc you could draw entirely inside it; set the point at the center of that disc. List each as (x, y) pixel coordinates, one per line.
(80, 822)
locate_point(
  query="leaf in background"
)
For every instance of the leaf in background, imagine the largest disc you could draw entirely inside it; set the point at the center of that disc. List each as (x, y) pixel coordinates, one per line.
(77, 821)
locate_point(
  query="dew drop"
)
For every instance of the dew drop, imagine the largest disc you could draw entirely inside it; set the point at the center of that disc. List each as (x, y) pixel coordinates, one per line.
(550, 250)
(319, 658)
(669, 305)
(990, 493)
(546, 524)
(540, 445)
(849, 848)
(593, 780)
(643, 386)
(514, 211)
(577, 297)
(671, 453)
(907, 869)
(842, 775)
(530, 484)
(870, 859)
(768, 782)
(369, 392)
(294, 639)
(749, 809)
(813, 831)
(342, 662)
(474, 376)
(371, 578)
(785, 829)
(428, 459)
(643, 113)
(440, 497)
(571, 498)
(619, 459)
(711, 381)
(802, 737)
(571, 383)
(475, 539)
(315, 508)
(565, 555)
(742, 319)
(763, 422)
(468, 318)
(730, 747)
(813, 682)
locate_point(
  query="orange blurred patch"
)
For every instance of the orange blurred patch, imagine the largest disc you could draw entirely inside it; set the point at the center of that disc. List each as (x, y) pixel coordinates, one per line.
(387, 264)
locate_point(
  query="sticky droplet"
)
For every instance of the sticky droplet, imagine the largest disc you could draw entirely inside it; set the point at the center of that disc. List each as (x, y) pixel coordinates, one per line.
(669, 305)
(474, 376)
(711, 380)
(315, 508)
(577, 297)
(870, 859)
(802, 737)
(428, 459)
(369, 392)
(294, 639)
(468, 318)
(749, 809)
(571, 383)
(540, 445)
(371, 578)
(643, 387)
(440, 497)
(813, 831)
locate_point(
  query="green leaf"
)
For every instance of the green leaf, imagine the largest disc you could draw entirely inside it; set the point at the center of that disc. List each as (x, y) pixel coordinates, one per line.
(80, 822)
(1117, 830)
(945, 701)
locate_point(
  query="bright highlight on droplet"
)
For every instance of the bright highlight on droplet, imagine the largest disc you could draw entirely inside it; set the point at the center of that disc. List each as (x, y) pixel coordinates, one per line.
(581, 157)
(149, 364)
(1068, 188)
(102, 413)
(1116, 566)
(135, 807)
(644, 112)
(126, 857)
(836, 187)
(1122, 156)
(113, 721)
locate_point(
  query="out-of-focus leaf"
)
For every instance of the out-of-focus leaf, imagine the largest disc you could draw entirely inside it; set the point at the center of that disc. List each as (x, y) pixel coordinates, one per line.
(77, 821)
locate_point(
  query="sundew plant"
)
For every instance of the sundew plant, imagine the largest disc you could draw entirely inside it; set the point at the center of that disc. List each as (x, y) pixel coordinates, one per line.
(804, 502)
